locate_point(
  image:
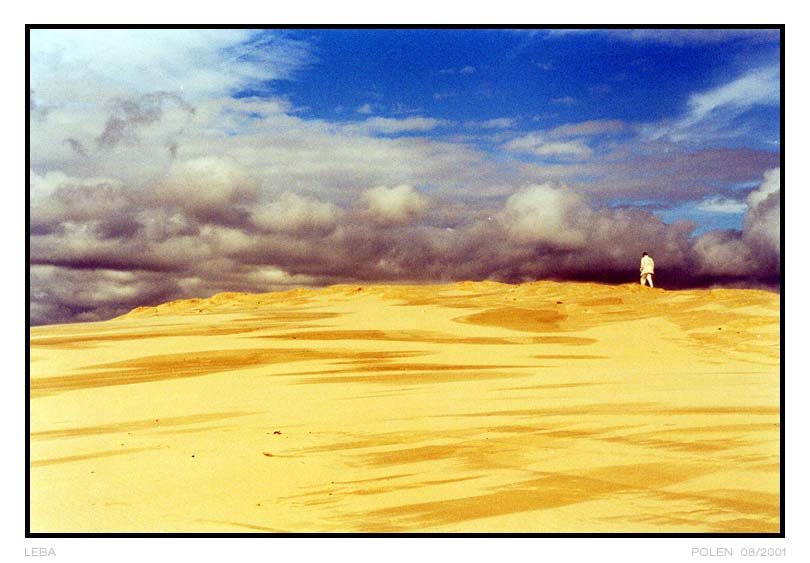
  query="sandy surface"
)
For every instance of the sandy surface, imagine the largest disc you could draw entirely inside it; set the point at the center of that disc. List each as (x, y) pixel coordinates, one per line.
(471, 407)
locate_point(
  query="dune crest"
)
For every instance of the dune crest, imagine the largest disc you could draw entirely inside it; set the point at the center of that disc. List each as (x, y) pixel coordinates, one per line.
(465, 407)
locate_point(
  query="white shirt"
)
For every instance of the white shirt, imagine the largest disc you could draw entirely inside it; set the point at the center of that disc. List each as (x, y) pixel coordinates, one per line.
(647, 265)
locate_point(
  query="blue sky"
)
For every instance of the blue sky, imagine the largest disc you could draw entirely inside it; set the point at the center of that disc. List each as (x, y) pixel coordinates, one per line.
(179, 163)
(484, 74)
(483, 84)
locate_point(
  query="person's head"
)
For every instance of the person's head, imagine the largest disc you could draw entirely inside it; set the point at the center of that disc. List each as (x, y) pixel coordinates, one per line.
(643, 254)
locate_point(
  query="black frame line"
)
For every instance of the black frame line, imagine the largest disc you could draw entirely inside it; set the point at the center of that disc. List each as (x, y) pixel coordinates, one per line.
(573, 535)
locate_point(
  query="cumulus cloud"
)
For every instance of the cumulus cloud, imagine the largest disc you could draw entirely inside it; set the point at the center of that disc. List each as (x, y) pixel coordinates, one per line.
(763, 221)
(541, 231)
(211, 224)
(571, 142)
(400, 204)
(59, 200)
(544, 214)
(755, 251)
(296, 214)
(208, 187)
(149, 182)
(551, 231)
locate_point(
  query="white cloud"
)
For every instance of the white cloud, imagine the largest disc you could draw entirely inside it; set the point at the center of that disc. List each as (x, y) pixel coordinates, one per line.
(721, 253)
(329, 160)
(42, 187)
(262, 277)
(547, 214)
(759, 86)
(758, 247)
(764, 220)
(387, 125)
(122, 102)
(771, 184)
(400, 204)
(258, 108)
(722, 205)
(538, 144)
(713, 112)
(207, 185)
(570, 149)
(587, 128)
(247, 194)
(294, 213)
(76, 66)
(496, 123)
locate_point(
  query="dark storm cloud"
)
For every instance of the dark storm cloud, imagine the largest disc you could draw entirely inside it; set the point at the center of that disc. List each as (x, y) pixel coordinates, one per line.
(118, 228)
(203, 228)
(80, 203)
(541, 232)
(99, 261)
(139, 197)
(734, 255)
(61, 295)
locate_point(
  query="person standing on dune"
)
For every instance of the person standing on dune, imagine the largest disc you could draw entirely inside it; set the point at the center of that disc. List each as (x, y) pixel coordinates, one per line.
(647, 267)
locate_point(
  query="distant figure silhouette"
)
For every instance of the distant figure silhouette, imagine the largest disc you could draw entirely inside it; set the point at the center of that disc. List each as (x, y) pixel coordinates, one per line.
(647, 266)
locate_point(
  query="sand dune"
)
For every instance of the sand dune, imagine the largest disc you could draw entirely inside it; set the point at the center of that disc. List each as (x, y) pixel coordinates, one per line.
(469, 407)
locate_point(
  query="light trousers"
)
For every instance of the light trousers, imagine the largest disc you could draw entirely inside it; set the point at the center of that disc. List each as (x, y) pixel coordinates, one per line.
(647, 278)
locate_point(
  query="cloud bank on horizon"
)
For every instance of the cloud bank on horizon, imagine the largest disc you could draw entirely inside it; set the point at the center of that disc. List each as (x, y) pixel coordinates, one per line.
(169, 164)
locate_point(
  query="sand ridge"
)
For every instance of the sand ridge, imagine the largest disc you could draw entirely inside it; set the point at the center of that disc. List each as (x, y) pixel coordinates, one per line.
(466, 407)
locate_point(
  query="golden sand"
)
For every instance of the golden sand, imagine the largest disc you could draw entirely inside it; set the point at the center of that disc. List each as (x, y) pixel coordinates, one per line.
(470, 407)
